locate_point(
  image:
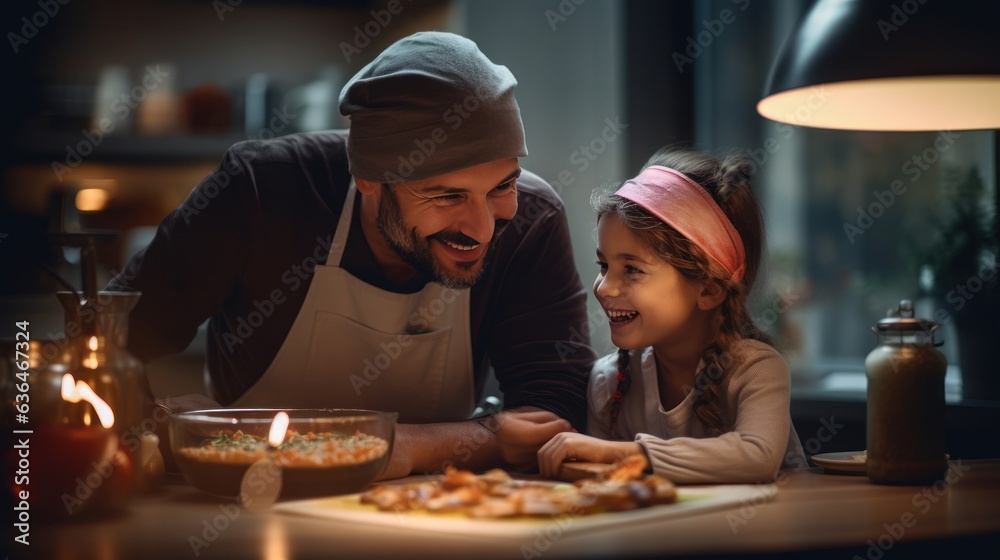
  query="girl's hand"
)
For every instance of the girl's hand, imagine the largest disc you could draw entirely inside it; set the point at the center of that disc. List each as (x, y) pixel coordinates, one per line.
(566, 445)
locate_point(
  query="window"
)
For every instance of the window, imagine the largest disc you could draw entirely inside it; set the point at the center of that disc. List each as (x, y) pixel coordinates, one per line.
(847, 213)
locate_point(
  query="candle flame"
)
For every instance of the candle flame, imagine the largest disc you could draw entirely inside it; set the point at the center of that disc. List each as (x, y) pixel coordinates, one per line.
(91, 361)
(278, 428)
(80, 391)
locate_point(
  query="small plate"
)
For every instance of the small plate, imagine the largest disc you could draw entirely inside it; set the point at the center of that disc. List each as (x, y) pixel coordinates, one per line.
(845, 462)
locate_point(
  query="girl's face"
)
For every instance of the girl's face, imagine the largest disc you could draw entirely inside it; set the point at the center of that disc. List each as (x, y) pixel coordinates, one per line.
(648, 302)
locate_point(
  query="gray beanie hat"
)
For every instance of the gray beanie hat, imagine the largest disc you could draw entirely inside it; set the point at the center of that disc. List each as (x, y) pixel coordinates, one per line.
(430, 104)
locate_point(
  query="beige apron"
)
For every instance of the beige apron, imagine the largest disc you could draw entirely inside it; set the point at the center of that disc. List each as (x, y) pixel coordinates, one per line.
(356, 346)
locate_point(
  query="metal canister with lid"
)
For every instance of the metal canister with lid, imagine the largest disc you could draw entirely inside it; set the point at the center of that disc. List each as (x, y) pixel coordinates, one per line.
(906, 407)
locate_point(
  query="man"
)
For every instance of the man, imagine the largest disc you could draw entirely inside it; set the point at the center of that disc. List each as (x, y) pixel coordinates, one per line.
(387, 268)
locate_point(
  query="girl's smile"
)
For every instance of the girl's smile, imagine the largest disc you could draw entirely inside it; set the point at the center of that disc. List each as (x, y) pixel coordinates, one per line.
(620, 319)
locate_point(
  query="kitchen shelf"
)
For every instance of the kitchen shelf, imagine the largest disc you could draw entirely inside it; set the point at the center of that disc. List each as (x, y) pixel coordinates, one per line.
(126, 147)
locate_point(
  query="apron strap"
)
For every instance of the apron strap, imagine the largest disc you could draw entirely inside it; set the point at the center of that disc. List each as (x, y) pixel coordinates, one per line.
(343, 228)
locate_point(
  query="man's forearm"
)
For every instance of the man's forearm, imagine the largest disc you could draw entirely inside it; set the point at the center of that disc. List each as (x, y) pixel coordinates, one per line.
(424, 448)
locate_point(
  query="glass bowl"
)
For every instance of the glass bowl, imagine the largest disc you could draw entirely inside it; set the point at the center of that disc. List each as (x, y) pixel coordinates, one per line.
(324, 452)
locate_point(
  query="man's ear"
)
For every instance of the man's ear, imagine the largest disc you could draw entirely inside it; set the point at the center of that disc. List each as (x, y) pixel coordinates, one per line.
(366, 187)
(711, 295)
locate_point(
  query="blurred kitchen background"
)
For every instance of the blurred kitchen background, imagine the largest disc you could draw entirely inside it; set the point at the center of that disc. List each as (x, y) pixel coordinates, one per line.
(602, 85)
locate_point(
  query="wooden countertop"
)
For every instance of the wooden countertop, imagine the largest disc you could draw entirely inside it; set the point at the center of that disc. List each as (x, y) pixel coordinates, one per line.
(813, 515)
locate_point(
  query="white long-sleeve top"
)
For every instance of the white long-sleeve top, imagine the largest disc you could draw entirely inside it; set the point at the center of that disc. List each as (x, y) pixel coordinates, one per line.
(760, 438)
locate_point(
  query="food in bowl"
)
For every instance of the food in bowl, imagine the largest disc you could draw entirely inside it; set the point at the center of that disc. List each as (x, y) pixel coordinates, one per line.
(298, 450)
(324, 452)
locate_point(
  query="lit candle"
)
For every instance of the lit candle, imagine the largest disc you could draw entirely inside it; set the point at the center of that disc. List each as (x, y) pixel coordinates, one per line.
(81, 467)
(261, 484)
(80, 391)
(67, 455)
(279, 427)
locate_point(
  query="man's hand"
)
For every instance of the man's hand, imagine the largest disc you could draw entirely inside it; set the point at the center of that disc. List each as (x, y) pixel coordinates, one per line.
(522, 431)
(577, 446)
(511, 437)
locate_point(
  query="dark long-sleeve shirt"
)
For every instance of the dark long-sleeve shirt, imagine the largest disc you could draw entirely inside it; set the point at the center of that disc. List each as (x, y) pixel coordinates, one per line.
(242, 247)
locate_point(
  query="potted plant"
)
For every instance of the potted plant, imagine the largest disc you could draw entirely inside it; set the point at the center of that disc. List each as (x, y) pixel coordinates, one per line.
(962, 260)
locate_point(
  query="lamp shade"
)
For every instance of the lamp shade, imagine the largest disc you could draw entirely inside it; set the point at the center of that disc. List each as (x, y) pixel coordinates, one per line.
(895, 65)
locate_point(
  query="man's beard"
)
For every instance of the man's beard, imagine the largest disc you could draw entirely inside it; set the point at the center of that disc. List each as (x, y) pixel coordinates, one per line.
(416, 251)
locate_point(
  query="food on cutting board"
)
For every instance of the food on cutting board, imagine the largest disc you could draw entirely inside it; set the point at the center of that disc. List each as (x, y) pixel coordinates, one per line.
(495, 494)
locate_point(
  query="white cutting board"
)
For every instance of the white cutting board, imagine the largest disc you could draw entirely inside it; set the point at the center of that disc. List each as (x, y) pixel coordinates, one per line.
(691, 500)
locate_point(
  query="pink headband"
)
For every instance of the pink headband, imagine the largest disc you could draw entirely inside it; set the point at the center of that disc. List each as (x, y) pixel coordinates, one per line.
(687, 207)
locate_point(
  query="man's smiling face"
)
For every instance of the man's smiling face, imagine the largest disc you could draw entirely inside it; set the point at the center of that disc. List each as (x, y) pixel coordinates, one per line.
(446, 226)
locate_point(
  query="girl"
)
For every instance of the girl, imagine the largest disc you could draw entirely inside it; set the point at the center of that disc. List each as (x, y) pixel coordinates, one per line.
(694, 385)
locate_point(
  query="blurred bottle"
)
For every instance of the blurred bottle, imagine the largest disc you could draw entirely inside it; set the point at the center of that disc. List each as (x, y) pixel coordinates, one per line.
(158, 103)
(315, 106)
(206, 109)
(258, 99)
(111, 114)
